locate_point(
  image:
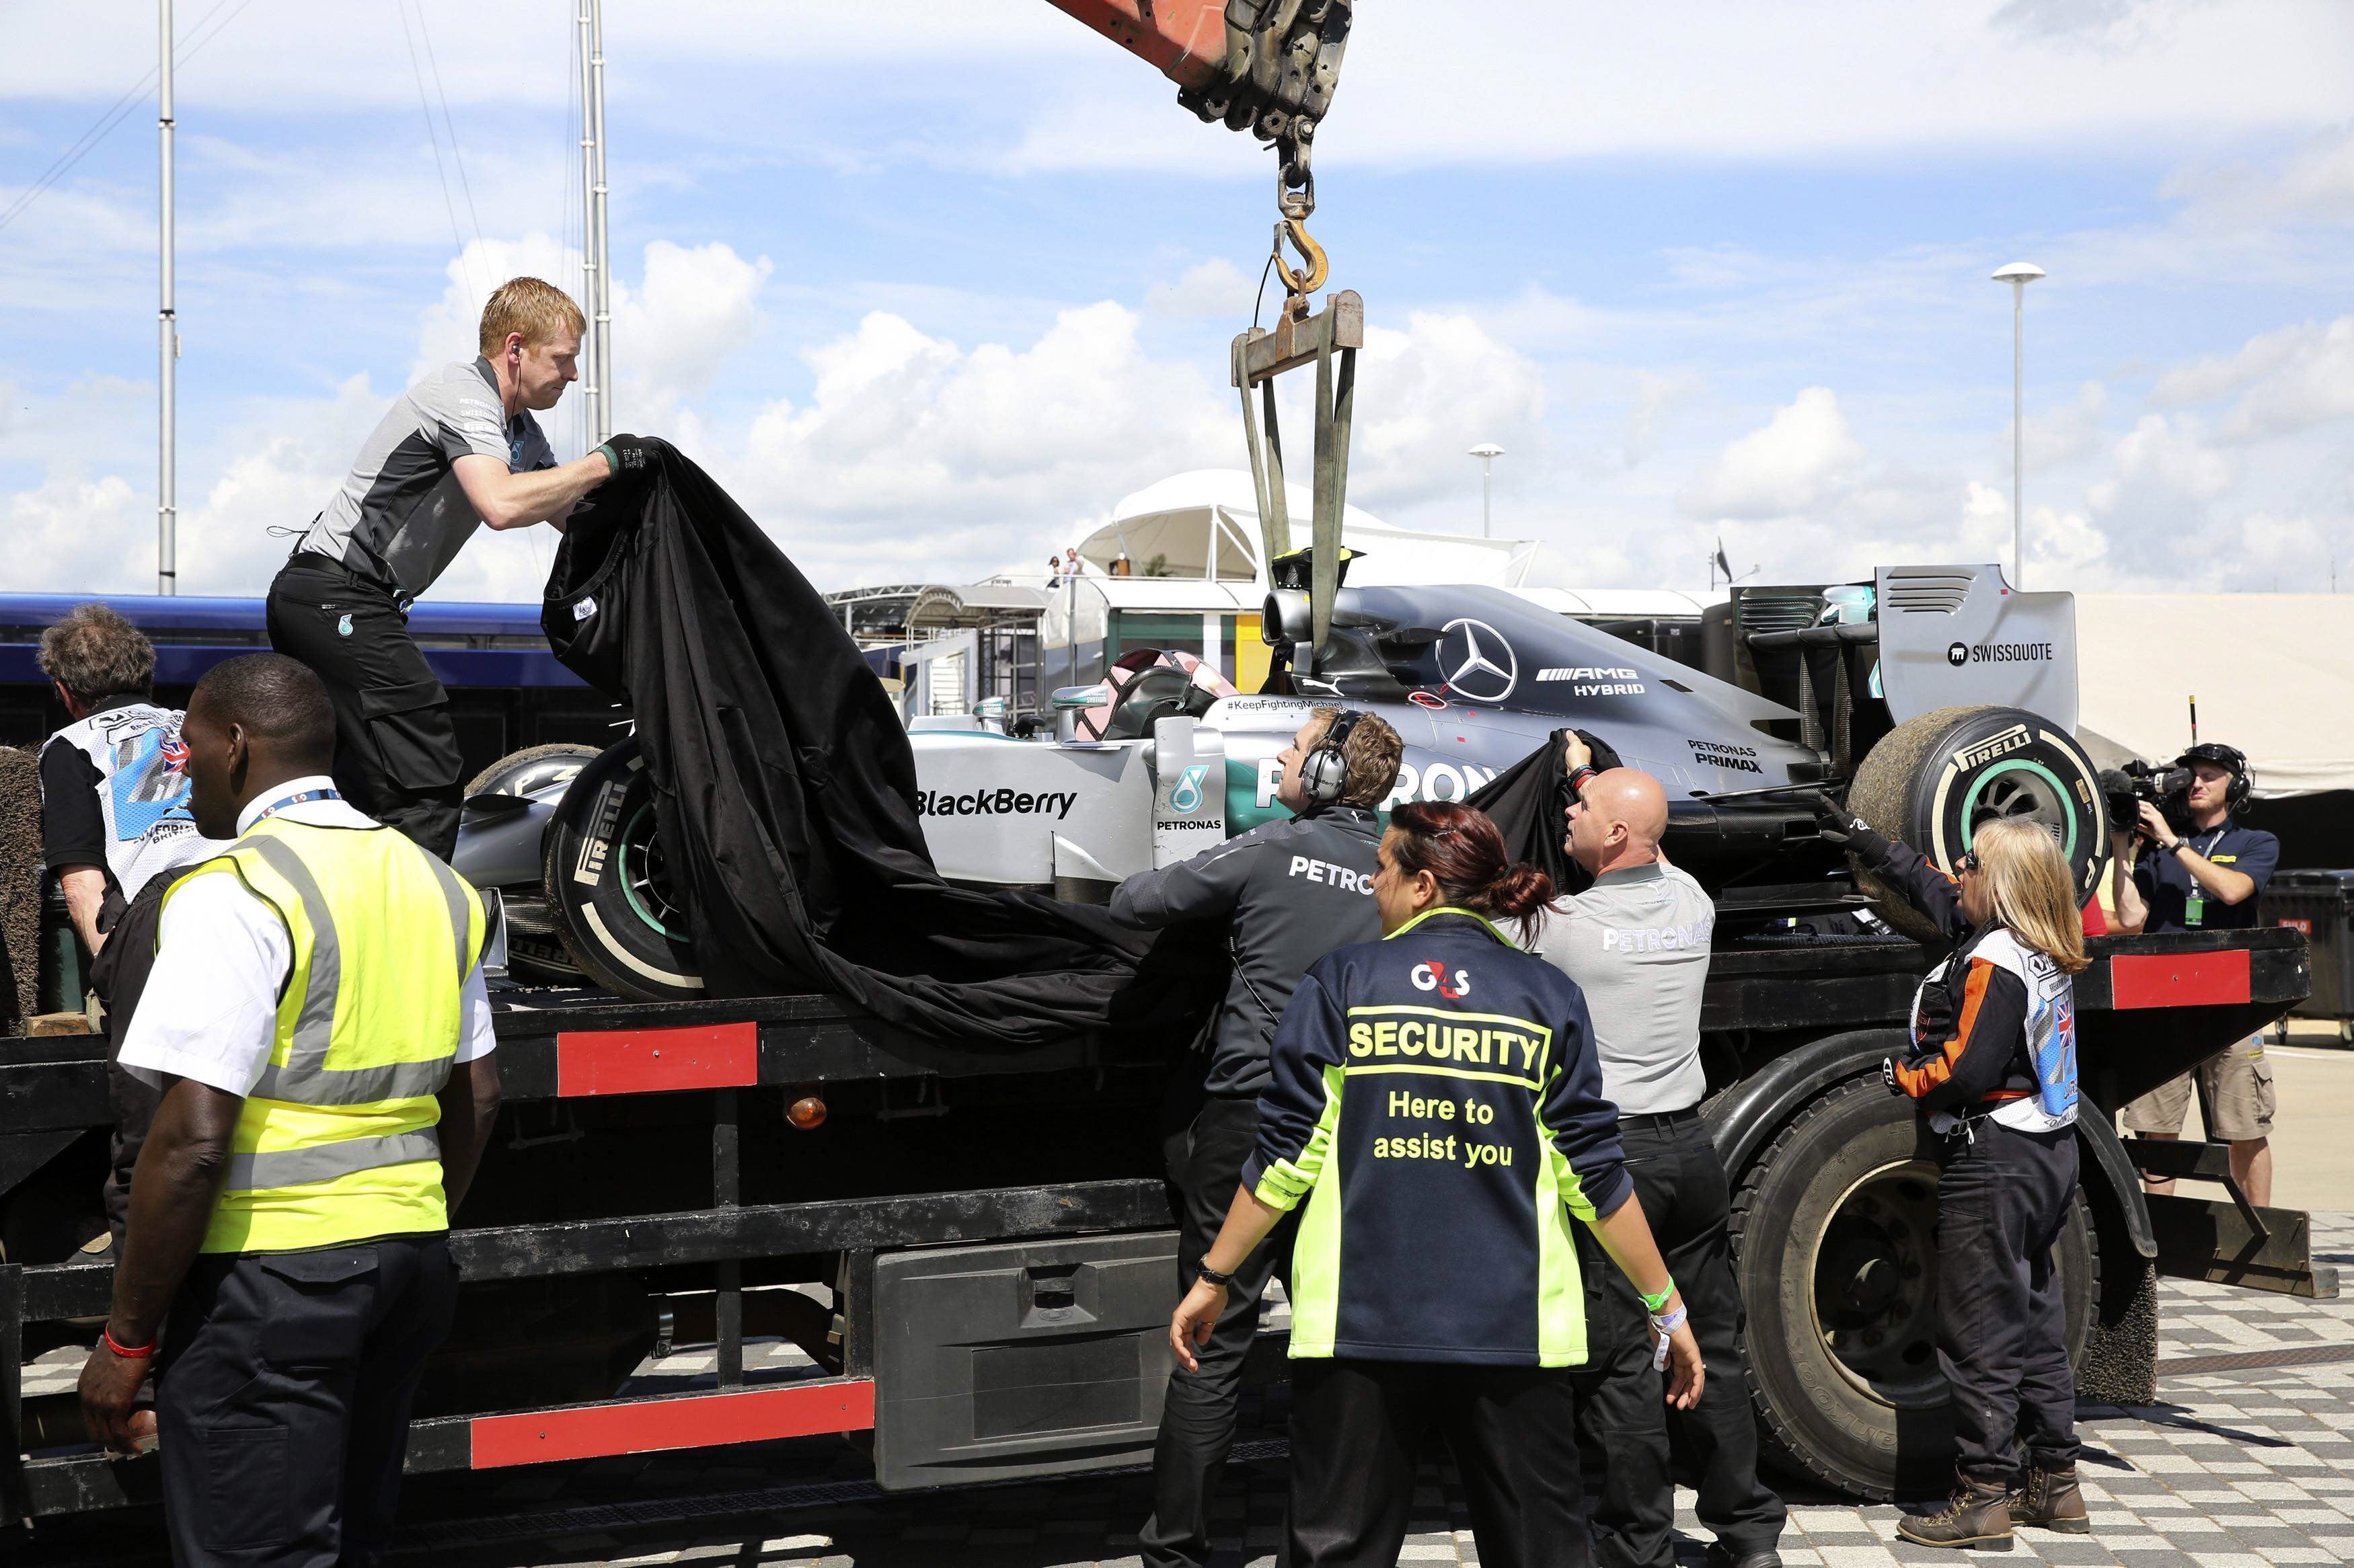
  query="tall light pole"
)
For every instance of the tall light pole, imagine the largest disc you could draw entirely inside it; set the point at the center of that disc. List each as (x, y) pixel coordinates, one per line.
(167, 333)
(1487, 452)
(2018, 274)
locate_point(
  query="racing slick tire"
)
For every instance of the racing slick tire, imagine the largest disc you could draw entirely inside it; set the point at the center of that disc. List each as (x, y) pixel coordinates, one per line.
(533, 767)
(535, 953)
(1933, 781)
(607, 892)
(1834, 1238)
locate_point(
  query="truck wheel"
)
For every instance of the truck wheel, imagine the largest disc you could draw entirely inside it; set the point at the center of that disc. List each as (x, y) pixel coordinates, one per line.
(608, 888)
(1933, 781)
(533, 767)
(1834, 1236)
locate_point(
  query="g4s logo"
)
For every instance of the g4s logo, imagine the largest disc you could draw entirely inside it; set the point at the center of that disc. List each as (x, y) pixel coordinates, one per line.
(1434, 977)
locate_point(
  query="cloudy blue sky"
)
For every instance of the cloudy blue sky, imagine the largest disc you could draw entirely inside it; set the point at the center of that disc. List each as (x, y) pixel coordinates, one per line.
(931, 287)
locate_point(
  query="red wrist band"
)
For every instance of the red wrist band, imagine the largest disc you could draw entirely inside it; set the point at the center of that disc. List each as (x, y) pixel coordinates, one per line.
(1578, 777)
(143, 1354)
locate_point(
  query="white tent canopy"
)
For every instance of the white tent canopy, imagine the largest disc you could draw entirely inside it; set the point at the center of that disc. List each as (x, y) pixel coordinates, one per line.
(1192, 517)
(2270, 671)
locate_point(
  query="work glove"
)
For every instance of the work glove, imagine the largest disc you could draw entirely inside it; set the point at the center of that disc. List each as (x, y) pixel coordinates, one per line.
(631, 456)
(1835, 823)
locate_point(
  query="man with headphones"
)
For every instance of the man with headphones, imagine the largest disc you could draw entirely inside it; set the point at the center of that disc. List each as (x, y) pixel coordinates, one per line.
(2207, 879)
(1291, 891)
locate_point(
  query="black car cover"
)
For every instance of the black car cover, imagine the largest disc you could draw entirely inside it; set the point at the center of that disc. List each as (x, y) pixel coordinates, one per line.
(785, 793)
(1526, 801)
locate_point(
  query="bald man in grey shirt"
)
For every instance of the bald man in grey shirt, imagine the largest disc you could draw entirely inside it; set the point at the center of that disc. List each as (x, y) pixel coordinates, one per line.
(1636, 943)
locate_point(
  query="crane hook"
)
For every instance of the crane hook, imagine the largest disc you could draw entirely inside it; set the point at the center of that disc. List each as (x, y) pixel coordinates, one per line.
(1304, 279)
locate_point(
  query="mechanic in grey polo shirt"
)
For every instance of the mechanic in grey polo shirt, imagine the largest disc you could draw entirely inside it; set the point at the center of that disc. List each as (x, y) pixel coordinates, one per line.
(1636, 943)
(459, 450)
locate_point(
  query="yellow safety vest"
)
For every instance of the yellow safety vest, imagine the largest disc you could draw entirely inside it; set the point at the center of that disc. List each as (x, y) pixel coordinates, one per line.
(337, 1142)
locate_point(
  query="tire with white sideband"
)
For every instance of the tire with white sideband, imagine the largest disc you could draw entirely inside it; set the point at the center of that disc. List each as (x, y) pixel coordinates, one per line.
(1933, 781)
(608, 889)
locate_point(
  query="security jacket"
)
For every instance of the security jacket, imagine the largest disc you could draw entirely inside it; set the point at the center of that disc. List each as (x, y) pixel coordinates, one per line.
(1436, 1099)
(1293, 890)
(1981, 1018)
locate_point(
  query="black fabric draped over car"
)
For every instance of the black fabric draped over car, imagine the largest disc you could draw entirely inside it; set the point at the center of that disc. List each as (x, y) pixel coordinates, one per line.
(1526, 803)
(785, 795)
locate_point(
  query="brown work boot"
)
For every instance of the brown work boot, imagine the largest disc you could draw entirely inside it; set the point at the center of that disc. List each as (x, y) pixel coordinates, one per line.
(2051, 1500)
(1978, 1514)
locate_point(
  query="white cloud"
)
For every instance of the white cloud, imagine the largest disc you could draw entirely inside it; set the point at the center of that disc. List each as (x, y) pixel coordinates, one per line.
(1804, 454)
(1216, 289)
(2311, 382)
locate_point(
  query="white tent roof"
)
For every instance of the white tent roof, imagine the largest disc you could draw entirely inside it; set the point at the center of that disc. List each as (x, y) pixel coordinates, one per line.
(1180, 517)
(2270, 670)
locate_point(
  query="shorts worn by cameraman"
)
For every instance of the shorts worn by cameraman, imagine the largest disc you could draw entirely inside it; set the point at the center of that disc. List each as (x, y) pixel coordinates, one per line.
(397, 755)
(2240, 1096)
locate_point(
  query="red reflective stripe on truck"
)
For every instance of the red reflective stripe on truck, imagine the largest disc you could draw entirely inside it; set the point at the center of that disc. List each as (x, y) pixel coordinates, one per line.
(648, 1061)
(648, 1425)
(2178, 980)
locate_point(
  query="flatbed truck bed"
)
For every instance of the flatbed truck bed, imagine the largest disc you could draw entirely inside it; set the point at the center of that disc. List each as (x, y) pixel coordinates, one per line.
(996, 1233)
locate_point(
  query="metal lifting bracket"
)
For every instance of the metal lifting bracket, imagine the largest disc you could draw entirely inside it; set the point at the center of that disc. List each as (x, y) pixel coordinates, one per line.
(1331, 337)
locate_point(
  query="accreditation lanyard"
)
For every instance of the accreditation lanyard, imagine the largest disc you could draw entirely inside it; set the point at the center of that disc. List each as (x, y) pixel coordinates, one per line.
(298, 797)
(2194, 907)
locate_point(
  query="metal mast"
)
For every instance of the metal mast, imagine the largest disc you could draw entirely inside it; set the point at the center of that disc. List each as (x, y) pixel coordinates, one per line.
(167, 332)
(592, 389)
(603, 305)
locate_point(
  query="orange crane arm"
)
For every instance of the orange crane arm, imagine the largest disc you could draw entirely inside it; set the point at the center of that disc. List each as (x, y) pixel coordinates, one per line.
(1185, 40)
(1265, 65)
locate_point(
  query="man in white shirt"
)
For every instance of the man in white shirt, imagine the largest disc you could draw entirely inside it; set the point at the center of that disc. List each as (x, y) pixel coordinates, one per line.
(1636, 943)
(289, 1211)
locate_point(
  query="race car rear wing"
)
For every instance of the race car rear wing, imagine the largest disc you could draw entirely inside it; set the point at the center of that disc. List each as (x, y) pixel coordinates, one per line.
(1855, 660)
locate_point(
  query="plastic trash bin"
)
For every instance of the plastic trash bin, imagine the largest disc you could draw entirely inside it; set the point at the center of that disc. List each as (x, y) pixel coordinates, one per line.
(2321, 904)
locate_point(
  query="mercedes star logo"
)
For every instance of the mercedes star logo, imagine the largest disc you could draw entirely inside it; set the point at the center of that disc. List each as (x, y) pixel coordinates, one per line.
(1959, 654)
(1478, 662)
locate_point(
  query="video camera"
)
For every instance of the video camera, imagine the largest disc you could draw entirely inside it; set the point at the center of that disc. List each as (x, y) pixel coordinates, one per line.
(2125, 788)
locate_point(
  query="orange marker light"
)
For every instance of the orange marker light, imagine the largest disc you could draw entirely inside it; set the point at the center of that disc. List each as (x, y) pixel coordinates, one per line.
(808, 1113)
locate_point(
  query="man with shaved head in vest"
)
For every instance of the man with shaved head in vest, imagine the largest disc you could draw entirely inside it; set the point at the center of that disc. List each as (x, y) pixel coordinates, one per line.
(1636, 943)
(318, 1028)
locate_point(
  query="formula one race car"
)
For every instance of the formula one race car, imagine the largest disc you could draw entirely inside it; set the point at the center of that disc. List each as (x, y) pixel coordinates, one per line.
(1936, 698)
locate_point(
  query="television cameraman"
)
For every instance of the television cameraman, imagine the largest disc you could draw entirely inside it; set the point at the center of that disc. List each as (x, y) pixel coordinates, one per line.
(2205, 877)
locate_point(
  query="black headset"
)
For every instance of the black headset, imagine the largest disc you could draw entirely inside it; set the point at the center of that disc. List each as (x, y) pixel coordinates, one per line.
(2229, 757)
(1324, 771)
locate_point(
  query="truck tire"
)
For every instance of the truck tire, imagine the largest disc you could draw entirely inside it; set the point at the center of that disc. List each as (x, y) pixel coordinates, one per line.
(611, 901)
(1933, 781)
(1835, 1249)
(534, 952)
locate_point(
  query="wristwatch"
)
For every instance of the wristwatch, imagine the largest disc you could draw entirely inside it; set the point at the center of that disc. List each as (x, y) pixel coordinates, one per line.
(1205, 1272)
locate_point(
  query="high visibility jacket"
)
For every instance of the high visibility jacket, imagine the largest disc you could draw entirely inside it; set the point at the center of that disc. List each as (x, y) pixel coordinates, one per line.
(337, 1142)
(1437, 1101)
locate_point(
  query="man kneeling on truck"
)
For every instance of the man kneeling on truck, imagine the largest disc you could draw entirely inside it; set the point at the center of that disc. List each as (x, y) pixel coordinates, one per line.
(1291, 890)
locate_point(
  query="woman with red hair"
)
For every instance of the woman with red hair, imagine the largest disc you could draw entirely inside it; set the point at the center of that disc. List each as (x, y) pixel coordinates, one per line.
(1437, 1103)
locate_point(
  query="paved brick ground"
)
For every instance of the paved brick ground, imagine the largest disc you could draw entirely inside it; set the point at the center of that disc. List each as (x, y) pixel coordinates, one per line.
(2236, 1470)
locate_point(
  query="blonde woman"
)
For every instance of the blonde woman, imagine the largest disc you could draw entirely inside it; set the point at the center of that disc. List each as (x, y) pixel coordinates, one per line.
(1993, 1067)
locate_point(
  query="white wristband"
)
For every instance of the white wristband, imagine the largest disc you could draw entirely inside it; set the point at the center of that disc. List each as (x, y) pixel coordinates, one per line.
(1666, 1323)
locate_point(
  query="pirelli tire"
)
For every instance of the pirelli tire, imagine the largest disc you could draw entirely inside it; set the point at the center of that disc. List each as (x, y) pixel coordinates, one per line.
(1933, 781)
(1834, 1241)
(608, 890)
(536, 955)
(533, 767)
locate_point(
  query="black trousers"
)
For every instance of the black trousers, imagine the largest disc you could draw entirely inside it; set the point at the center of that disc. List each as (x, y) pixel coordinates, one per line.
(397, 753)
(282, 1399)
(1203, 1155)
(1357, 1431)
(1624, 1421)
(119, 976)
(2001, 1325)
